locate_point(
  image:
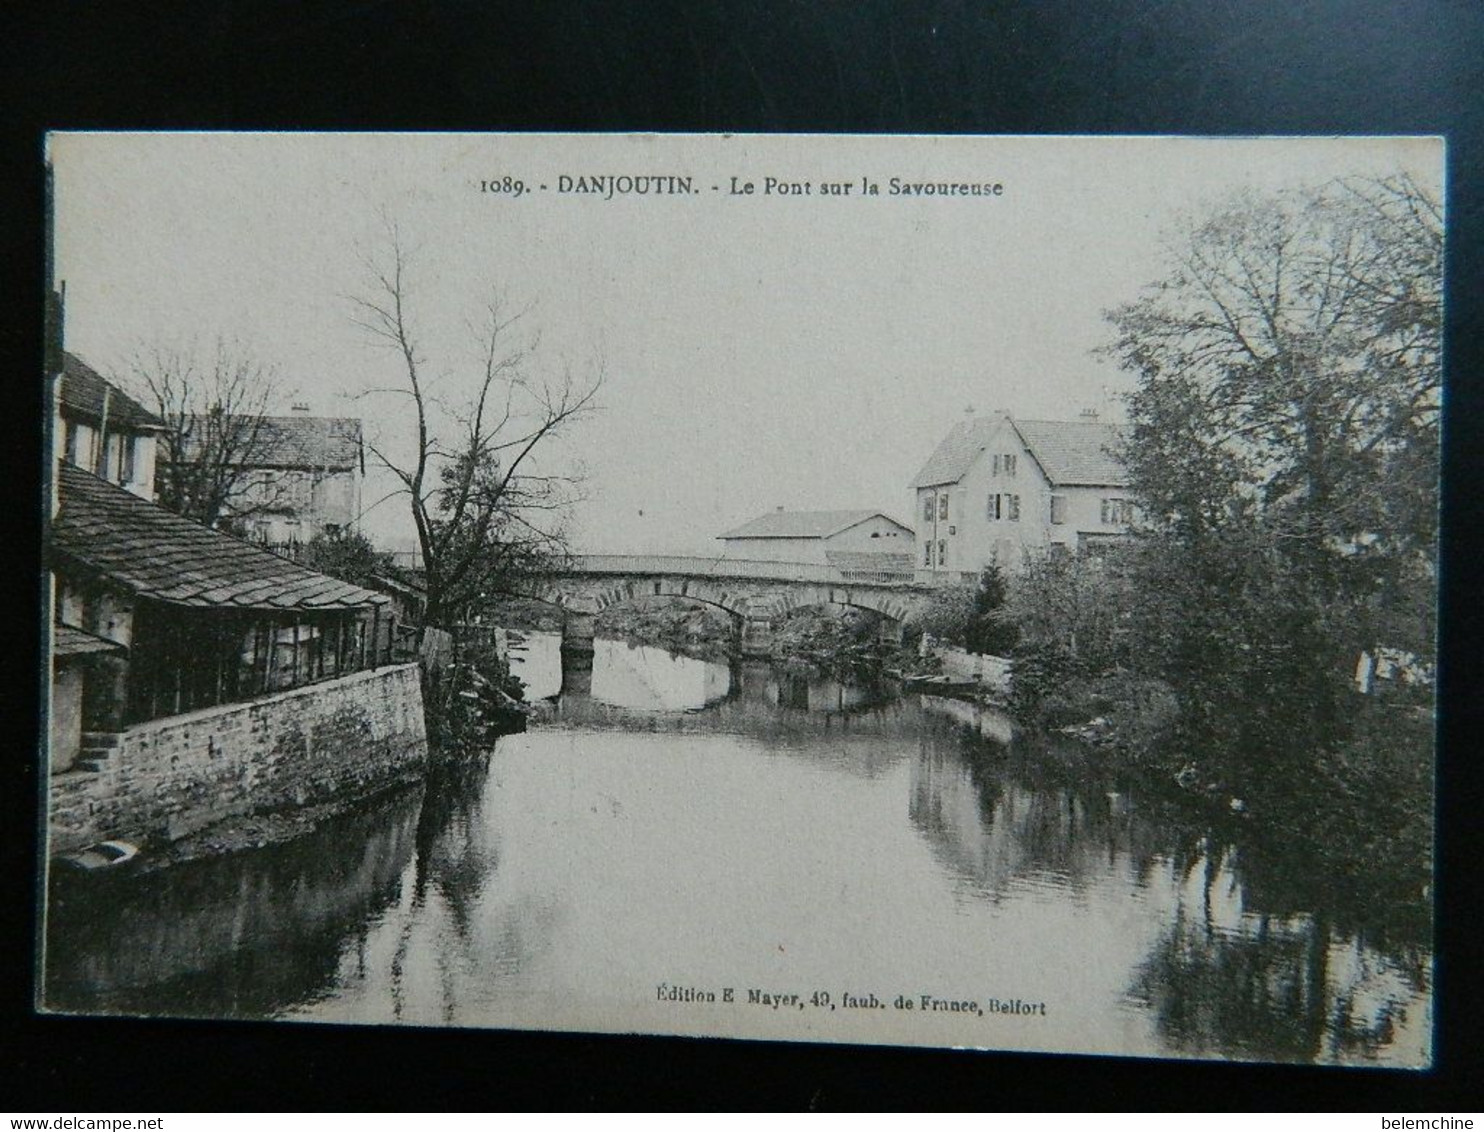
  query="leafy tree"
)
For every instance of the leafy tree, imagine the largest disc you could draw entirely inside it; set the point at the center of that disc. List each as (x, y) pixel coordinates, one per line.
(346, 555)
(1283, 447)
(1071, 620)
(989, 629)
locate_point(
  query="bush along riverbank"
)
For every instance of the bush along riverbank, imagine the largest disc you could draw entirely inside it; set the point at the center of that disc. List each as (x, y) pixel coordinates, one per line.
(470, 698)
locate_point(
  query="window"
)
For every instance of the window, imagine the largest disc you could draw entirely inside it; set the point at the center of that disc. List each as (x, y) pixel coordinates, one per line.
(927, 553)
(942, 553)
(1010, 464)
(943, 506)
(1117, 512)
(994, 464)
(121, 465)
(927, 508)
(70, 442)
(1058, 508)
(1002, 463)
(1003, 507)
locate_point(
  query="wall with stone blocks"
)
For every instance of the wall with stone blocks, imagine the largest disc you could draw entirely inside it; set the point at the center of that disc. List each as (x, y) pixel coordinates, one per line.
(171, 777)
(991, 671)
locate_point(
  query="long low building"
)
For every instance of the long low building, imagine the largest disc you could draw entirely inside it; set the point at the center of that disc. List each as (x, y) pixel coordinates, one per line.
(812, 536)
(180, 617)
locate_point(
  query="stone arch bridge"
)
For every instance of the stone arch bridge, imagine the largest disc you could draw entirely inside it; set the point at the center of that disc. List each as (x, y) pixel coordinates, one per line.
(754, 593)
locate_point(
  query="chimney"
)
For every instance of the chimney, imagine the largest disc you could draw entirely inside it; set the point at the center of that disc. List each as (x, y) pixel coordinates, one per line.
(300, 407)
(969, 411)
(779, 509)
(1089, 414)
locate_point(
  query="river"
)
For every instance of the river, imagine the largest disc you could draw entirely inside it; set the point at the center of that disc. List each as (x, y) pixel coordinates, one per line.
(671, 829)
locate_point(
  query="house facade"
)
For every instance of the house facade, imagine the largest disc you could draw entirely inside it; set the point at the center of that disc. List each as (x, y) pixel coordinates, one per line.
(818, 537)
(102, 429)
(298, 476)
(1000, 490)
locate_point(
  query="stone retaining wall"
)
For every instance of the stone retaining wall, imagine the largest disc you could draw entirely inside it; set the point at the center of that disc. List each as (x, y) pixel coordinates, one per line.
(171, 777)
(991, 671)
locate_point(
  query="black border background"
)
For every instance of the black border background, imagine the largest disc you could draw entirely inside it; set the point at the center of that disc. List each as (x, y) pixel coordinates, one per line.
(949, 66)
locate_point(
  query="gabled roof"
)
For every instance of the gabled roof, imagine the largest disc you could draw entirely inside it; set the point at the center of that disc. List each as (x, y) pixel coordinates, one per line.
(82, 392)
(1076, 453)
(297, 442)
(1071, 453)
(157, 554)
(804, 524)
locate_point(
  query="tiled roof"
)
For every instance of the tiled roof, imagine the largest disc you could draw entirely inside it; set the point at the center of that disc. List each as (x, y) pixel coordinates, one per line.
(67, 640)
(1075, 453)
(802, 524)
(157, 554)
(82, 392)
(870, 561)
(301, 442)
(1071, 453)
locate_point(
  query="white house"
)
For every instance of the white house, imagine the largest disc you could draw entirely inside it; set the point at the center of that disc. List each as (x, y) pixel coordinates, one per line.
(818, 536)
(999, 489)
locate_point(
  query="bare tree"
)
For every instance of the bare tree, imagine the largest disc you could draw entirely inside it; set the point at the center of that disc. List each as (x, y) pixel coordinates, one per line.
(214, 413)
(486, 515)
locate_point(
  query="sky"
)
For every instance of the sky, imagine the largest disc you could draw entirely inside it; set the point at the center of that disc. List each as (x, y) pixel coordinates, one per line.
(760, 350)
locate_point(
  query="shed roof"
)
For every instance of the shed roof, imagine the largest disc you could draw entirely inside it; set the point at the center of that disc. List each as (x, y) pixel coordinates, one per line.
(297, 442)
(804, 524)
(1071, 453)
(157, 554)
(83, 390)
(68, 640)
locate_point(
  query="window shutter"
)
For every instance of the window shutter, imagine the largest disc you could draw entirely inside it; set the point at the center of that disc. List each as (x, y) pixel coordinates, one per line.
(1058, 508)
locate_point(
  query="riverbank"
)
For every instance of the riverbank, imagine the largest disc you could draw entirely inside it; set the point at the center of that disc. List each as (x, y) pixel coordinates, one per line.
(259, 831)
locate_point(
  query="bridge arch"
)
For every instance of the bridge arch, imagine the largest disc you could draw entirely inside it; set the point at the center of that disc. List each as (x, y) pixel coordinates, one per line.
(754, 594)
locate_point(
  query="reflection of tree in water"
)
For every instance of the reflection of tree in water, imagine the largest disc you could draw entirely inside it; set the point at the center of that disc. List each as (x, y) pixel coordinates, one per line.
(246, 935)
(1282, 987)
(996, 815)
(1261, 956)
(453, 859)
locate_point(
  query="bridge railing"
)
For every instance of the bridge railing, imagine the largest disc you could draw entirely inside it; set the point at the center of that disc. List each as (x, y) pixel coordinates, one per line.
(729, 568)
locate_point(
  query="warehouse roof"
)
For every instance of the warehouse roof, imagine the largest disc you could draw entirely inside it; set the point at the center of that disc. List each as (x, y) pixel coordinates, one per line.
(804, 524)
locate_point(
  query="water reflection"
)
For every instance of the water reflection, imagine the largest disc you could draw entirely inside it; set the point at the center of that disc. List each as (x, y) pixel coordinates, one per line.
(650, 679)
(1231, 980)
(239, 936)
(671, 818)
(1228, 976)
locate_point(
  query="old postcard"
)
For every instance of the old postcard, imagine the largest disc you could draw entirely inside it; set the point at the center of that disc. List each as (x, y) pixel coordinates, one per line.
(944, 591)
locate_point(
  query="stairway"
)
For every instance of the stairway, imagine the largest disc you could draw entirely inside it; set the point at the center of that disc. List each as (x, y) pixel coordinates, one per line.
(97, 748)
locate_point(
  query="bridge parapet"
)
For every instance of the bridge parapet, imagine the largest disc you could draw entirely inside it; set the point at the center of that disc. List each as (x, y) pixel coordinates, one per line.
(672, 565)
